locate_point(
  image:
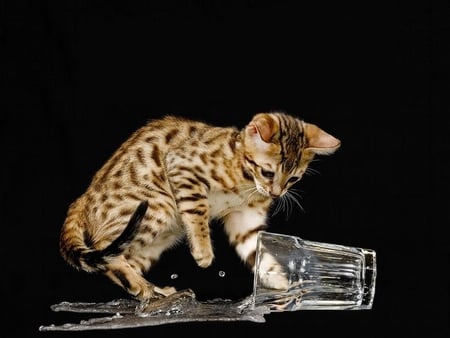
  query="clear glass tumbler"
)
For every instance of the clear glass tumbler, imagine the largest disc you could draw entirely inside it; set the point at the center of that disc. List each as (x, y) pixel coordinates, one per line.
(295, 274)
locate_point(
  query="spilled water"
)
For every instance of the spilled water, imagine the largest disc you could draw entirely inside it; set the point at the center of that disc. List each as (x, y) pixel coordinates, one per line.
(177, 308)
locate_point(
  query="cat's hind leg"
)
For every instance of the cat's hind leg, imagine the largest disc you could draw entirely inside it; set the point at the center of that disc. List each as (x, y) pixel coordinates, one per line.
(132, 281)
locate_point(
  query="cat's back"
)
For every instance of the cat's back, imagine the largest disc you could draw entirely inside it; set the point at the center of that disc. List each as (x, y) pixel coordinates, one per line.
(172, 132)
(149, 145)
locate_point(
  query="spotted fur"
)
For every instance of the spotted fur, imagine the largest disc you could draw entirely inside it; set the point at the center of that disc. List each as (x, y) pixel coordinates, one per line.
(170, 178)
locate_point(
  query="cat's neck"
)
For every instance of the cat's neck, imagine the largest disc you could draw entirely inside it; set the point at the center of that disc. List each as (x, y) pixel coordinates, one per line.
(244, 179)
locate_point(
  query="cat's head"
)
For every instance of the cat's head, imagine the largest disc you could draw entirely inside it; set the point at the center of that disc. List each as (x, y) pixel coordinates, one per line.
(278, 149)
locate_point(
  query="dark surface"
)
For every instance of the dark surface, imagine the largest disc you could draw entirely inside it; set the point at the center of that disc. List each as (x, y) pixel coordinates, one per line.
(81, 76)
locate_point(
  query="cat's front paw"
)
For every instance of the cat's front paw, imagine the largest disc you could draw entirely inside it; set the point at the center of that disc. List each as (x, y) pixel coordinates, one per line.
(271, 274)
(275, 280)
(203, 257)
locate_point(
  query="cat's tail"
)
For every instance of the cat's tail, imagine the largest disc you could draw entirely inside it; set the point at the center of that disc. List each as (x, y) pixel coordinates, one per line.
(91, 260)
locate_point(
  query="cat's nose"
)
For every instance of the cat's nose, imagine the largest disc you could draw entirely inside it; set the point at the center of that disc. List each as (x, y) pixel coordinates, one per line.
(275, 191)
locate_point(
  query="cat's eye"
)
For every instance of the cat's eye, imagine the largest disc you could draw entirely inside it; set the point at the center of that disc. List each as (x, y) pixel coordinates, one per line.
(267, 173)
(293, 179)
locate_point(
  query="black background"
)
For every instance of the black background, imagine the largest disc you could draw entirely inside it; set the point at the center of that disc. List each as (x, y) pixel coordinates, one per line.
(81, 76)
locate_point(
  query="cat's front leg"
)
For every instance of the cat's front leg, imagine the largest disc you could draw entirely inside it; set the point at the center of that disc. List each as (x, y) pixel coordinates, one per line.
(193, 208)
(195, 221)
(242, 228)
(195, 216)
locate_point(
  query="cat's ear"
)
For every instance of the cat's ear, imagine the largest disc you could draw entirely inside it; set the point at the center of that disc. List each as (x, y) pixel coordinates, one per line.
(264, 126)
(319, 141)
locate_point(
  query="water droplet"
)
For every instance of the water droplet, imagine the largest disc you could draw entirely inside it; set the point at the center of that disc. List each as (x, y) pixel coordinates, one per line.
(174, 276)
(221, 273)
(292, 266)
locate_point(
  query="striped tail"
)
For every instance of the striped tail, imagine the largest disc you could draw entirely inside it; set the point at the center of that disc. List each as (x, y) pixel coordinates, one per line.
(95, 260)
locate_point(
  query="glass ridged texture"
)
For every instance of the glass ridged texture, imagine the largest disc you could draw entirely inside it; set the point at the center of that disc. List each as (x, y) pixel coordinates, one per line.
(320, 276)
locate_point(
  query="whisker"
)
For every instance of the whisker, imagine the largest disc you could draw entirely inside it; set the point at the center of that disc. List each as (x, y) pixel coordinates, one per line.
(248, 189)
(278, 207)
(312, 171)
(293, 195)
(247, 201)
(288, 205)
(296, 193)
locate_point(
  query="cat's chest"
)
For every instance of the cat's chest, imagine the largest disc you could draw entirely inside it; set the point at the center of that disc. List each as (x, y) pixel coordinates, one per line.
(221, 202)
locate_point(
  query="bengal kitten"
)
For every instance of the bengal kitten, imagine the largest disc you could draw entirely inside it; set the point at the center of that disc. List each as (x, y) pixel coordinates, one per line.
(170, 178)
